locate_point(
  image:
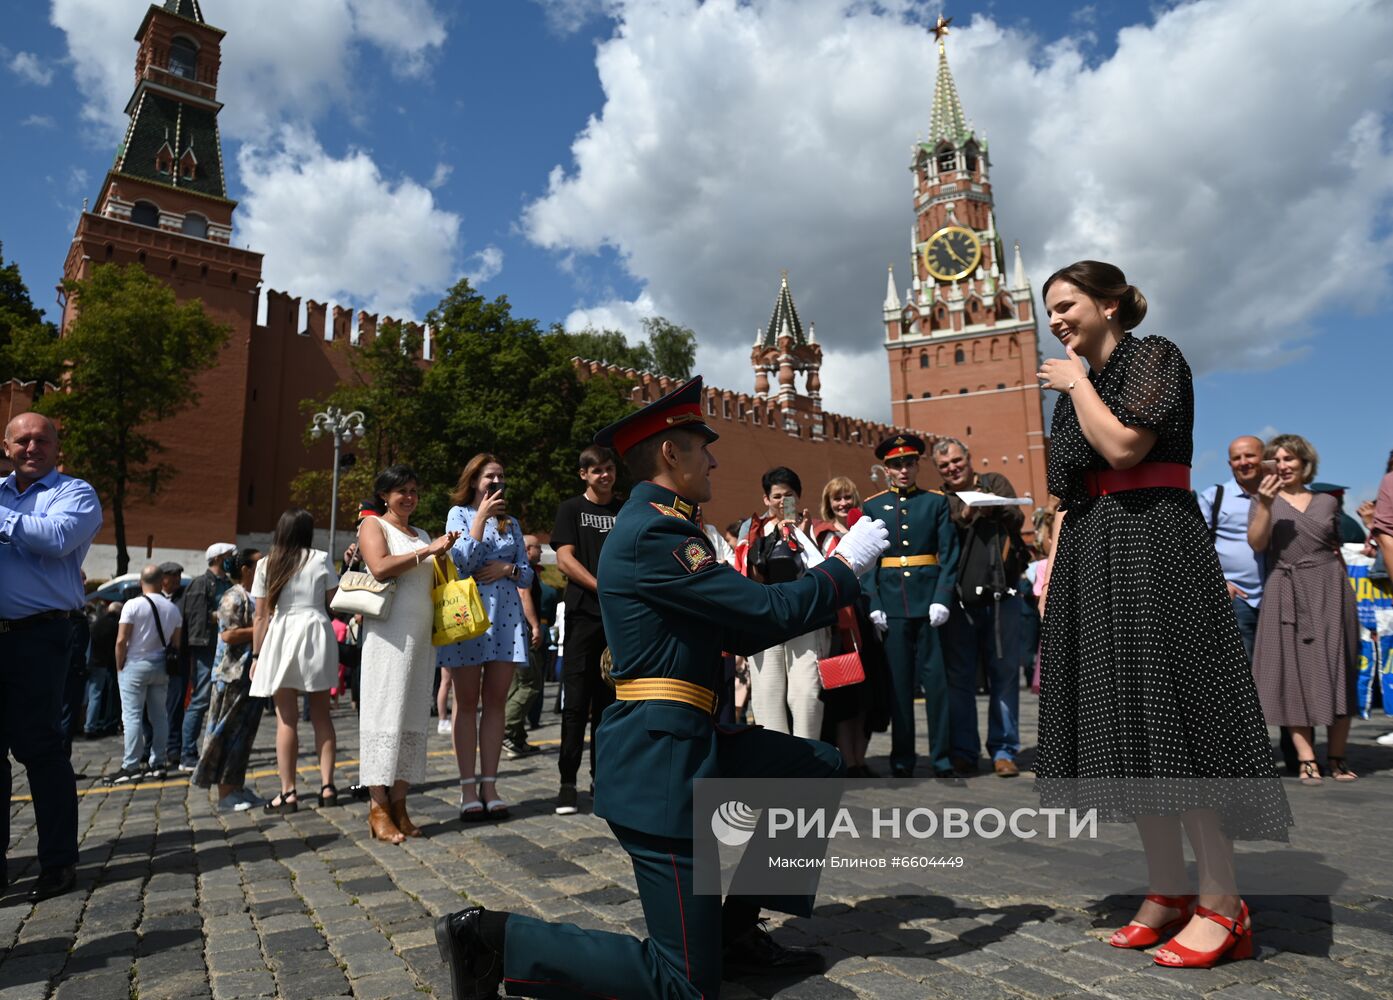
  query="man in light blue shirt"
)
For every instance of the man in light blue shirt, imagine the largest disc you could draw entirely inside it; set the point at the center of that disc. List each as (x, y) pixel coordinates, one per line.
(47, 522)
(1224, 508)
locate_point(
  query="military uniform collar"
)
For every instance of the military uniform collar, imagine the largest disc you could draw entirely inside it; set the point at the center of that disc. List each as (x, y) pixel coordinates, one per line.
(905, 491)
(665, 499)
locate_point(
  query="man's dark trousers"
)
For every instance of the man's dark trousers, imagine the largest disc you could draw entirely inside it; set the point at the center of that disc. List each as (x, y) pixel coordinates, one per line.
(201, 665)
(968, 634)
(33, 672)
(682, 955)
(586, 693)
(75, 682)
(913, 650)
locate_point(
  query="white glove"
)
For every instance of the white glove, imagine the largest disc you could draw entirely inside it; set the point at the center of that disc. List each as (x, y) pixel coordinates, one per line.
(938, 614)
(881, 624)
(863, 544)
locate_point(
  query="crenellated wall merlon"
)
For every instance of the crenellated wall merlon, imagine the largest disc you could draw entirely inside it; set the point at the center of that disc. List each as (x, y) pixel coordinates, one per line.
(741, 407)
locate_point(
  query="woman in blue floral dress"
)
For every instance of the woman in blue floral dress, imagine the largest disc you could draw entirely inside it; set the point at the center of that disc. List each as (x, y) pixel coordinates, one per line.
(491, 550)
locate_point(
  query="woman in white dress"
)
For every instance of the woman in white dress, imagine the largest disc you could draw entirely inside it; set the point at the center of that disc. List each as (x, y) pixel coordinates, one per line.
(293, 650)
(398, 659)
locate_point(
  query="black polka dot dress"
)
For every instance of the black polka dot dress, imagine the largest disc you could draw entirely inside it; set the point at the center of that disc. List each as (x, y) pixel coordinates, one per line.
(1147, 702)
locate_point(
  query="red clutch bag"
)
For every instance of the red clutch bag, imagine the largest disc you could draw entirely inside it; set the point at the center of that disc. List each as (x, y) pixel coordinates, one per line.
(839, 671)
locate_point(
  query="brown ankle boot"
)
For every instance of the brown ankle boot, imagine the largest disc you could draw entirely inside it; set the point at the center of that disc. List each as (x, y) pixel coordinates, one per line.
(382, 827)
(402, 820)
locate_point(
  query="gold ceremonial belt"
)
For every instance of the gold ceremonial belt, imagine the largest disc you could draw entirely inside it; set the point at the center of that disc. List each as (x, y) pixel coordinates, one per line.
(666, 689)
(890, 562)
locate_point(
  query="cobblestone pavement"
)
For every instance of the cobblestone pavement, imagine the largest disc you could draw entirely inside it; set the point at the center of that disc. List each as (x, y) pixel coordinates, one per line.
(177, 901)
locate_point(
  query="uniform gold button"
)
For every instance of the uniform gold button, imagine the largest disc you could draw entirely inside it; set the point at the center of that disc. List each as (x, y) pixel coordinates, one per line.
(906, 572)
(904, 527)
(905, 542)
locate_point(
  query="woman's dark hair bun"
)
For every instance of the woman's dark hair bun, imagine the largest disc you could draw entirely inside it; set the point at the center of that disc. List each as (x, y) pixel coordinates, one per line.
(1101, 280)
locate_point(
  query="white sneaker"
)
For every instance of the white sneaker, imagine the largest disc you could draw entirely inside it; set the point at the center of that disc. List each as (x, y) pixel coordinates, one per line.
(1386, 740)
(444, 727)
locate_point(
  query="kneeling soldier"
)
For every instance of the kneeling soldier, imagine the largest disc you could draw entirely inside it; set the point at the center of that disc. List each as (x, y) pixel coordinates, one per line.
(669, 609)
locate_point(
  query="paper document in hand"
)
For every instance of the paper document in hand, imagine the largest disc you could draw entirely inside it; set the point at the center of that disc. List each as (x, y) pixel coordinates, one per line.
(974, 499)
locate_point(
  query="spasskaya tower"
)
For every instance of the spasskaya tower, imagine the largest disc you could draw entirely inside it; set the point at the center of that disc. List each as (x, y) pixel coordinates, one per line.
(962, 344)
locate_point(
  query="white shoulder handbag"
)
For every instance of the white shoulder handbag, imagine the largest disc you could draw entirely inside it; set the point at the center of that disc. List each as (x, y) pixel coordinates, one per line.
(361, 593)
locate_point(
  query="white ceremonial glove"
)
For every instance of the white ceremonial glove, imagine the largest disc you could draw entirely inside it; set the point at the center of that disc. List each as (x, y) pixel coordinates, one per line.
(863, 544)
(938, 614)
(882, 625)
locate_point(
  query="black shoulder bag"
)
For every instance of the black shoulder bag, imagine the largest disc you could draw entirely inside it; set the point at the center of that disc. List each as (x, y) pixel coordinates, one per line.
(171, 655)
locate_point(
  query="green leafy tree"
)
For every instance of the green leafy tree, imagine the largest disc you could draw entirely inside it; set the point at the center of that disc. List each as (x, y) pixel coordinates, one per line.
(499, 384)
(673, 347)
(387, 387)
(25, 338)
(610, 347)
(670, 349)
(128, 361)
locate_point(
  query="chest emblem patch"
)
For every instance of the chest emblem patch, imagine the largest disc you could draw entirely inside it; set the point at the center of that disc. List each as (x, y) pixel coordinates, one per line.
(694, 555)
(664, 509)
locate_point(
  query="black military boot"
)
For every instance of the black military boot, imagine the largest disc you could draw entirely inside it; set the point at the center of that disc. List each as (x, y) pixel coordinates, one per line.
(476, 969)
(756, 953)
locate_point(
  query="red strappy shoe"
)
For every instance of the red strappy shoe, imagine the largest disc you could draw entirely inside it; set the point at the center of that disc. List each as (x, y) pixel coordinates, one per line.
(1238, 945)
(1142, 936)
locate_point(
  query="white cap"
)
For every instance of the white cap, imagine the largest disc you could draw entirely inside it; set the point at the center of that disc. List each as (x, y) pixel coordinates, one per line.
(219, 549)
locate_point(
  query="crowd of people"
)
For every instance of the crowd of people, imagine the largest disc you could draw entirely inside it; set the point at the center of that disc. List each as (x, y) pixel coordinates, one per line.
(1126, 593)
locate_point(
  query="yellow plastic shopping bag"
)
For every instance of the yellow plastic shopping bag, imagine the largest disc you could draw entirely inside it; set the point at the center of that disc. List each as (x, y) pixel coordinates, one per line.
(459, 611)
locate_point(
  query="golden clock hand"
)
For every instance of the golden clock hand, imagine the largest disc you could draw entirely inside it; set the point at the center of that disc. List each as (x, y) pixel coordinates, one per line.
(954, 254)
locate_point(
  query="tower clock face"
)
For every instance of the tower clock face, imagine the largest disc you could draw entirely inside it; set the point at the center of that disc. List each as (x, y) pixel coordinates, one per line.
(952, 253)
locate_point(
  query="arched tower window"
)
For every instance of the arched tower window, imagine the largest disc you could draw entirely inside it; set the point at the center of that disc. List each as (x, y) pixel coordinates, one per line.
(146, 213)
(923, 359)
(195, 225)
(183, 58)
(947, 161)
(959, 356)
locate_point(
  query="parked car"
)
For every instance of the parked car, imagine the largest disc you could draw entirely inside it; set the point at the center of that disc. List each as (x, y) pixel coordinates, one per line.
(124, 587)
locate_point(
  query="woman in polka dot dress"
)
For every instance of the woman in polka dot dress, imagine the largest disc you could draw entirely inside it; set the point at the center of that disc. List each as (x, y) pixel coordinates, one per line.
(1148, 712)
(490, 549)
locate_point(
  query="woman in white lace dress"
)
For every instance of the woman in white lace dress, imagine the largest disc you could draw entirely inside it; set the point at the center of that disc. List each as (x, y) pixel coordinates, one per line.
(398, 659)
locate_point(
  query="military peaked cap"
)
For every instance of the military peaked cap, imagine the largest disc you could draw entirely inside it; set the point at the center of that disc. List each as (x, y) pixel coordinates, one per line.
(679, 408)
(899, 444)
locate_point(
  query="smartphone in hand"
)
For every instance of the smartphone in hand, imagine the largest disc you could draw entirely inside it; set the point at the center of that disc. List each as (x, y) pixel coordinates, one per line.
(1268, 466)
(790, 508)
(492, 489)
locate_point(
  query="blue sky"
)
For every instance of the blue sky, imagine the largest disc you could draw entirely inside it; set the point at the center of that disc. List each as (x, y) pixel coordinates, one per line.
(599, 160)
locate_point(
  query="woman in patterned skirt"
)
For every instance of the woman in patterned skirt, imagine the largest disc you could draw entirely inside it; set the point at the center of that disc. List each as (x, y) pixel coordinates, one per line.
(1306, 658)
(1148, 711)
(490, 548)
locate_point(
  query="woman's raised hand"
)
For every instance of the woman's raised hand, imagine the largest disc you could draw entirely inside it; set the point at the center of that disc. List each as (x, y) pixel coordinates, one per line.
(1268, 489)
(442, 544)
(493, 505)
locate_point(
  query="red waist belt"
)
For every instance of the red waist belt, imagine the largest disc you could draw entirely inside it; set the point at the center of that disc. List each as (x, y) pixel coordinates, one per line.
(1148, 475)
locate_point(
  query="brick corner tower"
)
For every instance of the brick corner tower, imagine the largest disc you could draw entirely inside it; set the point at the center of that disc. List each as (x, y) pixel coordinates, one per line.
(963, 344)
(164, 206)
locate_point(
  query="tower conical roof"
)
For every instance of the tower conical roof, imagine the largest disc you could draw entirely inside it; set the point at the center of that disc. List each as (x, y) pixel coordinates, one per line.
(784, 316)
(185, 8)
(947, 121)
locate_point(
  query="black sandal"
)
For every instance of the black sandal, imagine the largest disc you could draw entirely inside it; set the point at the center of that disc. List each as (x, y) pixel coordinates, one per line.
(285, 802)
(1310, 773)
(1339, 770)
(332, 799)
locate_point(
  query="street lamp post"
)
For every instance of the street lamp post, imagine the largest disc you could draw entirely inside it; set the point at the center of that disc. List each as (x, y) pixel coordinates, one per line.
(342, 428)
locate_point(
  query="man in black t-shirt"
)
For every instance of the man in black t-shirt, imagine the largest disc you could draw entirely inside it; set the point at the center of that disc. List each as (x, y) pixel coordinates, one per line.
(582, 525)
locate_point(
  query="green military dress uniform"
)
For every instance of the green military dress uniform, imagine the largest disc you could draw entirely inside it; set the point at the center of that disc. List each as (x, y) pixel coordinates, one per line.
(670, 608)
(904, 585)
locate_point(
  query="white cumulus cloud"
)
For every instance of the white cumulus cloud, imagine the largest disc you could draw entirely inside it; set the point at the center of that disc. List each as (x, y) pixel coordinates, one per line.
(335, 228)
(29, 68)
(485, 265)
(280, 60)
(1240, 172)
